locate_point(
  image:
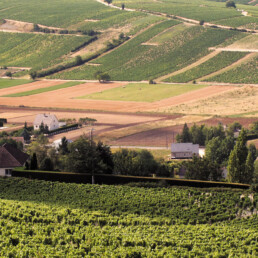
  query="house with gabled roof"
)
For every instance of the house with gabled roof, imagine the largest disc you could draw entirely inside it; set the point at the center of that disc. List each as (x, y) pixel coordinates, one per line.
(10, 158)
(184, 150)
(48, 120)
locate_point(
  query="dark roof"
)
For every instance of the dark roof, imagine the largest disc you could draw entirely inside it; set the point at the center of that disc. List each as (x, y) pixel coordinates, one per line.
(11, 157)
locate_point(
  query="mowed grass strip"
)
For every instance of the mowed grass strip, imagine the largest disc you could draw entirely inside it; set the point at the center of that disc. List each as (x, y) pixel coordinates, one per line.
(42, 90)
(7, 83)
(143, 92)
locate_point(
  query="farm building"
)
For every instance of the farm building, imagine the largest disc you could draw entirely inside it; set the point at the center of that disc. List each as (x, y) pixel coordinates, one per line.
(184, 150)
(47, 119)
(11, 157)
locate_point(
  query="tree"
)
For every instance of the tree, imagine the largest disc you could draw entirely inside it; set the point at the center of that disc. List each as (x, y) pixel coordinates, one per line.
(106, 157)
(249, 168)
(102, 77)
(230, 3)
(33, 75)
(9, 74)
(237, 160)
(108, 1)
(185, 137)
(201, 22)
(34, 162)
(123, 6)
(253, 151)
(46, 164)
(63, 147)
(78, 60)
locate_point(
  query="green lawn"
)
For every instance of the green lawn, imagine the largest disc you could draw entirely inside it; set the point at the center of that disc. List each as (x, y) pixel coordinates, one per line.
(42, 90)
(6, 83)
(143, 92)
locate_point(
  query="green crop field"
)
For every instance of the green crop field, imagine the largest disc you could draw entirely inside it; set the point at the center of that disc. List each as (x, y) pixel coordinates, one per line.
(42, 90)
(214, 64)
(196, 9)
(40, 219)
(36, 50)
(143, 92)
(243, 21)
(136, 60)
(6, 83)
(245, 73)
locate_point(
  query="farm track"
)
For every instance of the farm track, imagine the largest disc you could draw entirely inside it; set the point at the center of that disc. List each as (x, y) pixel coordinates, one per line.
(198, 62)
(235, 64)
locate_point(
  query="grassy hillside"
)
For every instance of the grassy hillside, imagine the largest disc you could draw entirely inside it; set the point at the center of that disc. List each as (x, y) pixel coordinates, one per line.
(56, 219)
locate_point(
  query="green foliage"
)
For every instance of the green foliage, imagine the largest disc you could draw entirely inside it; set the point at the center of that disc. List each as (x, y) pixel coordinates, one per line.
(13, 142)
(85, 156)
(27, 50)
(202, 169)
(214, 64)
(244, 73)
(230, 3)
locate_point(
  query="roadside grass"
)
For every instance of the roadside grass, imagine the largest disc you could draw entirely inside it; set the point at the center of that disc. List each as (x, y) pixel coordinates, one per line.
(143, 92)
(43, 90)
(6, 83)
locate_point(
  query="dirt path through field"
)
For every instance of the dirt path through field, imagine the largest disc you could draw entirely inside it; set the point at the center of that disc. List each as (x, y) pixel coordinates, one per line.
(200, 61)
(235, 64)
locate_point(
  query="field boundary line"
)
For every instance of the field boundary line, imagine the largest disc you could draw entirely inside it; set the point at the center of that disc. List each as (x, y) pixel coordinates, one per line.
(189, 67)
(225, 69)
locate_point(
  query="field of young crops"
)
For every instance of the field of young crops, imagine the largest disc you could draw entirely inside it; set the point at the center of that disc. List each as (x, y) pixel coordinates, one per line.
(6, 83)
(36, 50)
(42, 90)
(143, 92)
(245, 73)
(136, 60)
(40, 218)
(214, 64)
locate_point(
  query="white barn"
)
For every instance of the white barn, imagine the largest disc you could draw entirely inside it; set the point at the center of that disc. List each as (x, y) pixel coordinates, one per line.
(184, 150)
(47, 119)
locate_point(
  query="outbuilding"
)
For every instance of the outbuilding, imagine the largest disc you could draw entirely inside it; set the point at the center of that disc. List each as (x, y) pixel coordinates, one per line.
(184, 150)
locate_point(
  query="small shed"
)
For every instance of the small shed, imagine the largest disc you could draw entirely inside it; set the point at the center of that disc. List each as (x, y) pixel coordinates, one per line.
(184, 150)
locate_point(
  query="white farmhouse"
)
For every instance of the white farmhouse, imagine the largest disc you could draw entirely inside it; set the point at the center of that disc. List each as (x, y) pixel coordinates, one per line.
(11, 157)
(184, 150)
(47, 119)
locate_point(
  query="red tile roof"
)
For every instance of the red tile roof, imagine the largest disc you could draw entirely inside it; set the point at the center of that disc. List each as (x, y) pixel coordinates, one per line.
(11, 157)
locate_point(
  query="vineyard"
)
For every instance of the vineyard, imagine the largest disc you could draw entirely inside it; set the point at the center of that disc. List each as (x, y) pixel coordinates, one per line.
(214, 64)
(245, 73)
(36, 50)
(136, 60)
(42, 90)
(56, 219)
